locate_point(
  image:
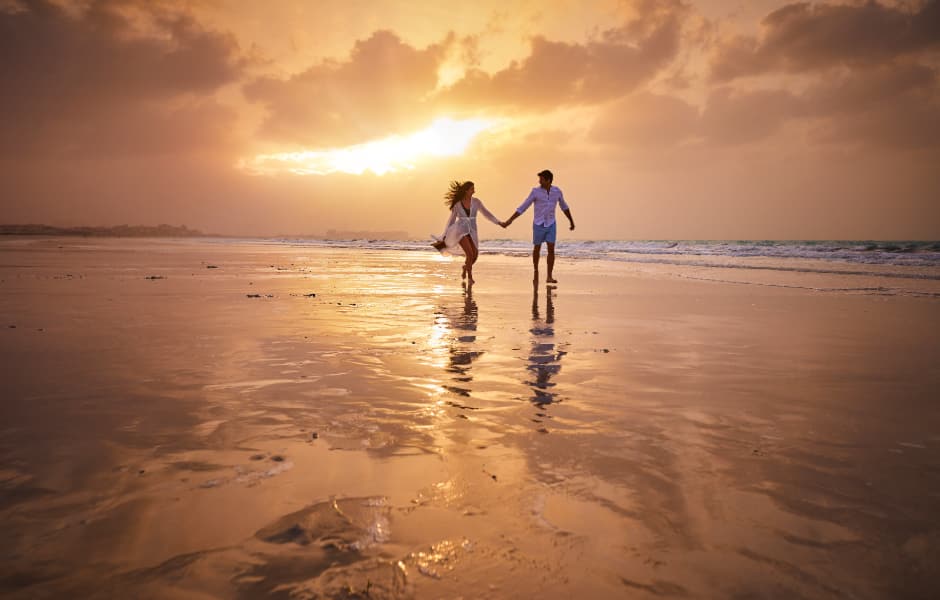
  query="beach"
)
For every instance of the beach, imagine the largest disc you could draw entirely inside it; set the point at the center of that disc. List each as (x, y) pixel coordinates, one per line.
(239, 419)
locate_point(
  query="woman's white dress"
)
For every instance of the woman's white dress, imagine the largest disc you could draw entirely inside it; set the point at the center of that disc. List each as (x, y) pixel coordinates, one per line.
(460, 224)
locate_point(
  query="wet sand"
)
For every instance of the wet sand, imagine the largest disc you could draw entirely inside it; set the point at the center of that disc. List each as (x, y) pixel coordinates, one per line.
(185, 420)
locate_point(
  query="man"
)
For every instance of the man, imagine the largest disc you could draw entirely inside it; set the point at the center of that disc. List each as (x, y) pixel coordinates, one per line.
(545, 197)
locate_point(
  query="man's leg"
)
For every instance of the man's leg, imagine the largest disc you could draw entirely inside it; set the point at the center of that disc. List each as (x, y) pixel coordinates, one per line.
(536, 253)
(551, 261)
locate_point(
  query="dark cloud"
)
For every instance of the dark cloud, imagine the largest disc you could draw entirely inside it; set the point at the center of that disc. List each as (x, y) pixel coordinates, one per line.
(802, 37)
(889, 107)
(895, 106)
(382, 88)
(866, 76)
(92, 81)
(559, 73)
(852, 91)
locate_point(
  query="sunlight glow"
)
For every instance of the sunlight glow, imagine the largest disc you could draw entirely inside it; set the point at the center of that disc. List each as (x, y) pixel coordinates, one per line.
(450, 73)
(444, 137)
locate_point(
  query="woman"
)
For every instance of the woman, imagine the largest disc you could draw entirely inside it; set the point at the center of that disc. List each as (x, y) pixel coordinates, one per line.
(460, 233)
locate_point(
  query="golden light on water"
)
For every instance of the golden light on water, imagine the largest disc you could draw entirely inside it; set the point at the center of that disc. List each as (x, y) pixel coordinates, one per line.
(442, 138)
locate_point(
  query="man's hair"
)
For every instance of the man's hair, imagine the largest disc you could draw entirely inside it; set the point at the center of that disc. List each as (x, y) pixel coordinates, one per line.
(547, 175)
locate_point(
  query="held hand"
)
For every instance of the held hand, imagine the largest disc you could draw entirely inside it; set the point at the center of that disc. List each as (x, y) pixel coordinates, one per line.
(504, 224)
(572, 226)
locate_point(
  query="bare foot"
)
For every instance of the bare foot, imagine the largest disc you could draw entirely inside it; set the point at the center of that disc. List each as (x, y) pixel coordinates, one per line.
(551, 280)
(463, 272)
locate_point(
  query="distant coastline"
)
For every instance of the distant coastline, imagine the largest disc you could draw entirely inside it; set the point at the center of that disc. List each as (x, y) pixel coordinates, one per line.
(181, 231)
(173, 231)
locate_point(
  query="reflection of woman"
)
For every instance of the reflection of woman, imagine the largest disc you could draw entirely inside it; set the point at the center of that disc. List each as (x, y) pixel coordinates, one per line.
(460, 233)
(462, 354)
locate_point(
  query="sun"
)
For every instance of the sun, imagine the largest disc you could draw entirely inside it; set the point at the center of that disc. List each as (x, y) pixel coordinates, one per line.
(442, 138)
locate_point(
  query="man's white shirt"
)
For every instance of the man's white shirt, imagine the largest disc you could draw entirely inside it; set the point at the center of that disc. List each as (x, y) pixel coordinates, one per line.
(545, 202)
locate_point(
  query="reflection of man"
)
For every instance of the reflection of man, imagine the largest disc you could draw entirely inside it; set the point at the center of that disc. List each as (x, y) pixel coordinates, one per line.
(549, 312)
(545, 197)
(544, 358)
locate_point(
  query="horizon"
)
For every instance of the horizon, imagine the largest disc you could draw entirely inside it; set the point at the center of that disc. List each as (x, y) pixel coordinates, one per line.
(662, 119)
(197, 233)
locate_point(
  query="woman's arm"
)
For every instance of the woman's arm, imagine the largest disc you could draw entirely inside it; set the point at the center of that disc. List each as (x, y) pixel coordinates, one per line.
(489, 216)
(450, 221)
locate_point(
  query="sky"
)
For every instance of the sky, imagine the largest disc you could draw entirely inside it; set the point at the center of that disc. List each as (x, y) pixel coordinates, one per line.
(661, 119)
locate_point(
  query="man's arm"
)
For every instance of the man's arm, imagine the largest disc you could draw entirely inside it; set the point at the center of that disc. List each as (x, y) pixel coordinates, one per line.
(522, 208)
(509, 221)
(565, 209)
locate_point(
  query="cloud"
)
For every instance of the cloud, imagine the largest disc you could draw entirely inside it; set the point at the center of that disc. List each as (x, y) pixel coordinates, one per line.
(388, 86)
(96, 81)
(558, 73)
(646, 120)
(896, 106)
(802, 37)
(890, 107)
(907, 123)
(738, 116)
(852, 91)
(865, 70)
(382, 88)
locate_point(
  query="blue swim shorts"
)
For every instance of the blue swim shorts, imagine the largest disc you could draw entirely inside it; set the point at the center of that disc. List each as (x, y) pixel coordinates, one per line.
(541, 233)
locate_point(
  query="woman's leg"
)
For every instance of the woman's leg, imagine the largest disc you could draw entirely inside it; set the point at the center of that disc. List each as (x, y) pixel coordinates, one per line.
(470, 252)
(476, 254)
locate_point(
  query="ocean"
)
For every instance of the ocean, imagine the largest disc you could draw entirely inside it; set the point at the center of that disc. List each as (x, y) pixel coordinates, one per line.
(895, 253)
(910, 268)
(868, 267)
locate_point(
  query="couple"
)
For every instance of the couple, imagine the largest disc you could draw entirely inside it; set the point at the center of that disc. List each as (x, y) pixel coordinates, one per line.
(460, 233)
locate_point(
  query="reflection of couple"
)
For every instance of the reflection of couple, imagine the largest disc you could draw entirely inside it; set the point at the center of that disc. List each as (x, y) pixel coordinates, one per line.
(460, 233)
(543, 362)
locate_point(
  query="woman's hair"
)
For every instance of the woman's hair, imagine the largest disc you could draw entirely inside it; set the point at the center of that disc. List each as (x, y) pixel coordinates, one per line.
(456, 192)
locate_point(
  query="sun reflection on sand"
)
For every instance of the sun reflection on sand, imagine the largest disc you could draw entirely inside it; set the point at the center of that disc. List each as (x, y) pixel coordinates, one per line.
(449, 343)
(438, 340)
